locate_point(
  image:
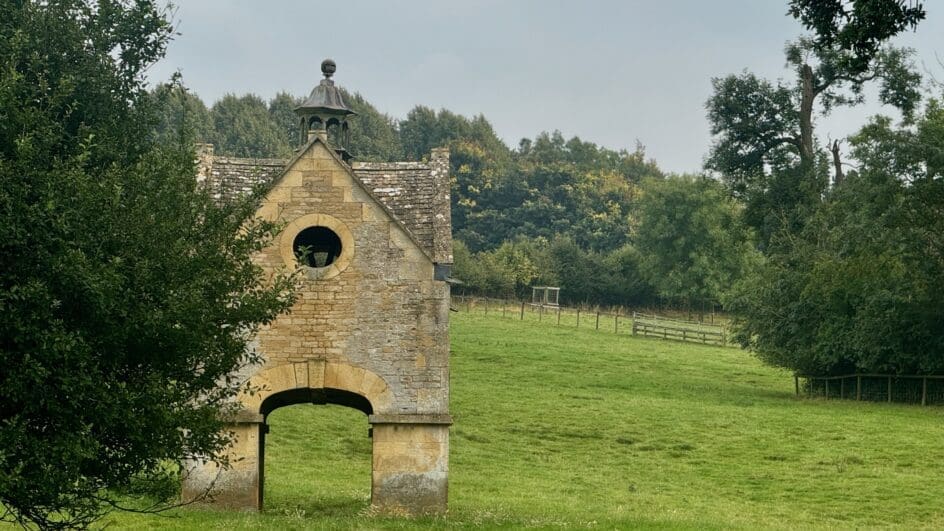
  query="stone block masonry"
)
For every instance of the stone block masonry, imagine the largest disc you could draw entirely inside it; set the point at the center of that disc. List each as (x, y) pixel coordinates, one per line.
(370, 330)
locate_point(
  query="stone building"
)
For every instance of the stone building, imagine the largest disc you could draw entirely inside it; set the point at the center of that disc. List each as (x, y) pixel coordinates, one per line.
(370, 329)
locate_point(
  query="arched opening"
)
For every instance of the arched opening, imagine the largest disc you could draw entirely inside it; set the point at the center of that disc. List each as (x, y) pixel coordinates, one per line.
(335, 136)
(315, 452)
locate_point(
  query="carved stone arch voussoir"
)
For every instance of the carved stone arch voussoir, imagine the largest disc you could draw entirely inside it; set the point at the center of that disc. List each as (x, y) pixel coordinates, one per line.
(317, 374)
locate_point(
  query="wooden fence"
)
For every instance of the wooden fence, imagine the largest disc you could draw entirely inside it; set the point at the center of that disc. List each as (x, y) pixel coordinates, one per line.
(657, 326)
(910, 389)
(616, 320)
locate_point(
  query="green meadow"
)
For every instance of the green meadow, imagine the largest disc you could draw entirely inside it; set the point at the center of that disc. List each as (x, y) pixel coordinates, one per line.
(563, 428)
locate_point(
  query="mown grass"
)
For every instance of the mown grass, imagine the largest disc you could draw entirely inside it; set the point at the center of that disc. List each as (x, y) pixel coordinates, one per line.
(557, 427)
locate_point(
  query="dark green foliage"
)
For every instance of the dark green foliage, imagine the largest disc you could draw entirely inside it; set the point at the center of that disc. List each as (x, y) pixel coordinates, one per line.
(835, 83)
(548, 187)
(692, 243)
(244, 128)
(127, 294)
(282, 113)
(181, 114)
(579, 189)
(374, 135)
(858, 289)
(857, 26)
(847, 283)
(482, 187)
(611, 278)
(756, 122)
(765, 148)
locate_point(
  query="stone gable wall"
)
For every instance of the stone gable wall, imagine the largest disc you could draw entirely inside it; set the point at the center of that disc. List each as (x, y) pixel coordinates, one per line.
(383, 312)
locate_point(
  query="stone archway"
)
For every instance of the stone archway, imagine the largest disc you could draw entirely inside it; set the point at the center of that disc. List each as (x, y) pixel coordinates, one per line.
(409, 463)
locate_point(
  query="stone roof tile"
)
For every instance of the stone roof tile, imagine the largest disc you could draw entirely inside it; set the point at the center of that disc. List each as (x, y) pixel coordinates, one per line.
(416, 193)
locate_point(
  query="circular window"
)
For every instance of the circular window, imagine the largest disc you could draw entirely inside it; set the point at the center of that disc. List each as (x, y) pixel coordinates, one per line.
(316, 247)
(319, 244)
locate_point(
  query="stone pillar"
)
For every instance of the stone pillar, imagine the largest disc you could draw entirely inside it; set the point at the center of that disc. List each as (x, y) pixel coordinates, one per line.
(240, 486)
(410, 463)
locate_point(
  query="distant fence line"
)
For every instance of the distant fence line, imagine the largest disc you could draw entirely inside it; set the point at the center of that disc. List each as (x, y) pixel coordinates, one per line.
(657, 326)
(597, 318)
(899, 388)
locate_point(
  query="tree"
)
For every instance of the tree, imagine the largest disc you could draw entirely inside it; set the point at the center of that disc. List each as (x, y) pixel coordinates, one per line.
(128, 296)
(374, 135)
(479, 161)
(765, 147)
(856, 26)
(282, 113)
(244, 128)
(693, 247)
(181, 113)
(857, 289)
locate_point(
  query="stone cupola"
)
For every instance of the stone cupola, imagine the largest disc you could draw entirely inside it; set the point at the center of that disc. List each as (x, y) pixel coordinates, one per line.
(325, 114)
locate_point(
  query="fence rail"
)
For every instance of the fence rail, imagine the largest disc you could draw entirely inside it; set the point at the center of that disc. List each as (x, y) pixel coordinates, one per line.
(901, 388)
(668, 328)
(617, 320)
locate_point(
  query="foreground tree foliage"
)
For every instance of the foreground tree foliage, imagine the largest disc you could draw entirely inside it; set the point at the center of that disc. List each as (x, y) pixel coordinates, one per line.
(127, 295)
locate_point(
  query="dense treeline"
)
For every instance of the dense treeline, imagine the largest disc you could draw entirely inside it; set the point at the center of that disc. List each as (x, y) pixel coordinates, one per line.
(551, 211)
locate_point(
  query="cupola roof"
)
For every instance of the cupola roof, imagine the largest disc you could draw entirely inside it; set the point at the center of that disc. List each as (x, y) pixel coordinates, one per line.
(325, 98)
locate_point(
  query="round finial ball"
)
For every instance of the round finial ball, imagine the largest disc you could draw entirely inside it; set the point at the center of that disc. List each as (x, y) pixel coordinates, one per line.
(328, 67)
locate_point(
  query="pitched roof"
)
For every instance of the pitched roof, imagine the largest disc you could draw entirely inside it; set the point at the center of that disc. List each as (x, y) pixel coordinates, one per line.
(416, 194)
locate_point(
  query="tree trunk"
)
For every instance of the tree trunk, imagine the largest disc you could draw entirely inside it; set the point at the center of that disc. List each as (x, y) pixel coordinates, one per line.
(837, 163)
(806, 116)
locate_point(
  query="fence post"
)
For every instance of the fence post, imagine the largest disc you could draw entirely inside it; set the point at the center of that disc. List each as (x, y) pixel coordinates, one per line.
(486, 305)
(796, 384)
(924, 391)
(858, 387)
(842, 388)
(578, 316)
(522, 311)
(598, 320)
(889, 389)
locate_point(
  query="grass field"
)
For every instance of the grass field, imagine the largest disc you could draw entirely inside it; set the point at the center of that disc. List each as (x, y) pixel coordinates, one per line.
(556, 427)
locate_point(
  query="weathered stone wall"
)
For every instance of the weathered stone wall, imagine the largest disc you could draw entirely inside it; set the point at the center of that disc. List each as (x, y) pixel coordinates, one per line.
(383, 312)
(374, 324)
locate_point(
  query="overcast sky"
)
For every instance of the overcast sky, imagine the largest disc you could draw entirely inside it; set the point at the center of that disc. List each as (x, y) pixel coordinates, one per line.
(611, 72)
